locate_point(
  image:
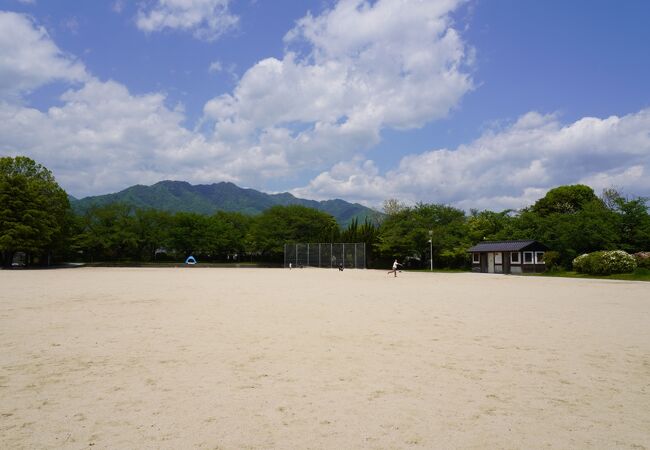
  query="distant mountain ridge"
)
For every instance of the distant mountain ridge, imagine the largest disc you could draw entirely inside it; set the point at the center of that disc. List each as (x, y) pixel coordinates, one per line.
(181, 196)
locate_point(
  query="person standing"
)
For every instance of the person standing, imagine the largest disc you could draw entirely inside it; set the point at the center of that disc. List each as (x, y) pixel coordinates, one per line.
(395, 266)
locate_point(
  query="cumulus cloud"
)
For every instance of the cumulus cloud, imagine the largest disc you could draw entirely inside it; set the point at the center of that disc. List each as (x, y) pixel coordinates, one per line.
(304, 111)
(509, 168)
(30, 59)
(206, 19)
(104, 139)
(101, 138)
(322, 106)
(347, 74)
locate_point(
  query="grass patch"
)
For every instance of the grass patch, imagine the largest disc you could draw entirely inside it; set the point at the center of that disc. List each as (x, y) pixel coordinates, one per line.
(638, 275)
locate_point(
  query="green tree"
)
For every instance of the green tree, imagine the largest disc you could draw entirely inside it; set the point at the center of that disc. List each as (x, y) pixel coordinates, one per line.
(573, 232)
(109, 233)
(230, 232)
(34, 210)
(367, 233)
(406, 233)
(284, 224)
(633, 220)
(565, 200)
(393, 206)
(152, 228)
(489, 225)
(191, 234)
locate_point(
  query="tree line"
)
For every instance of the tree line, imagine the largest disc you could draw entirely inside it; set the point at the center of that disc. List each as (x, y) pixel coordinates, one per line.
(36, 219)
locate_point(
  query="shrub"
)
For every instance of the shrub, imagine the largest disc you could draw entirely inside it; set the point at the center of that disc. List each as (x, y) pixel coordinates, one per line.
(552, 260)
(580, 262)
(642, 259)
(605, 263)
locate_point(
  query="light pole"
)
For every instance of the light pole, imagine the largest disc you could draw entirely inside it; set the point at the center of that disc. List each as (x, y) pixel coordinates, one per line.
(431, 248)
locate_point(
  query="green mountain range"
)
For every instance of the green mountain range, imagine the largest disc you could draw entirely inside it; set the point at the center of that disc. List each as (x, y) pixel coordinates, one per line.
(177, 196)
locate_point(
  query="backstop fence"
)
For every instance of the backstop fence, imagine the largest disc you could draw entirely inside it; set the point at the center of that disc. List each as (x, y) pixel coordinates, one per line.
(347, 255)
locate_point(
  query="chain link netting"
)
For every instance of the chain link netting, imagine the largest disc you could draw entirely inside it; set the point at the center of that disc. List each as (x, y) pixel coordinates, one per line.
(345, 255)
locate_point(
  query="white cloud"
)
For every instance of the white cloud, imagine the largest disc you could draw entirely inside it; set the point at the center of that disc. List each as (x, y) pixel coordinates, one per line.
(101, 138)
(304, 111)
(510, 168)
(118, 6)
(104, 139)
(215, 67)
(206, 19)
(310, 110)
(364, 67)
(30, 59)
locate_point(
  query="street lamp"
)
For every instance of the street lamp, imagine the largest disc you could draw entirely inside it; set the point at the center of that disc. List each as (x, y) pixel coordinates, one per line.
(431, 248)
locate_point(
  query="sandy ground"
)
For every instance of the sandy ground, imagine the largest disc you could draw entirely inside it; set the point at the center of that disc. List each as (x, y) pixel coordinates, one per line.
(307, 359)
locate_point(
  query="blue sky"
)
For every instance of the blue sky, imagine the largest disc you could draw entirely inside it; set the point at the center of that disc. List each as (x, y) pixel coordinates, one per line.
(484, 104)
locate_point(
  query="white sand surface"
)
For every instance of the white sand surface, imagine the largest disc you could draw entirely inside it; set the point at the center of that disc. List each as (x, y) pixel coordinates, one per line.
(309, 359)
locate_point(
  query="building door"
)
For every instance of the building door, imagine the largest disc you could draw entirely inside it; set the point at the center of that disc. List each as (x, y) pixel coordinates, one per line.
(490, 258)
(484, 264)
(506, 262)
(498, 262)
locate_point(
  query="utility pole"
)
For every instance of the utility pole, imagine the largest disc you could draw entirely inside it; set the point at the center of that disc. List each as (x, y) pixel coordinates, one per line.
(431, 248)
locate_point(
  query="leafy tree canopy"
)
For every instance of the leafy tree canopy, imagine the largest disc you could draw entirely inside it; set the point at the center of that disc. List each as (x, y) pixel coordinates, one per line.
(33, 207)
(281, 224)
(565, 200)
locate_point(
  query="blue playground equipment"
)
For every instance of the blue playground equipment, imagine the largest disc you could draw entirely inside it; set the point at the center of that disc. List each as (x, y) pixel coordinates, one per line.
(190, 260)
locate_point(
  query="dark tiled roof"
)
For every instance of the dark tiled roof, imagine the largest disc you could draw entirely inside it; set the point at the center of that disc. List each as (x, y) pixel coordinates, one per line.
(501, 246)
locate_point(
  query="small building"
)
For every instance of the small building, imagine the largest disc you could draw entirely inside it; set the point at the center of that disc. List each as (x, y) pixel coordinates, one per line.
(520, 256)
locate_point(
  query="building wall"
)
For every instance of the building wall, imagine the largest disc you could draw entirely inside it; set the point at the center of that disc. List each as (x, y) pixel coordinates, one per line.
(507, 266)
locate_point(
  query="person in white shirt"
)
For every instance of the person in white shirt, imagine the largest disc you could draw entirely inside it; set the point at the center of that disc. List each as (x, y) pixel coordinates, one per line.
(394, 270)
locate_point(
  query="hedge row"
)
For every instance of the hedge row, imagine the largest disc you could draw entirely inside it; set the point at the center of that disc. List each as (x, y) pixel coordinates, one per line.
(605, 263)
(642, 259)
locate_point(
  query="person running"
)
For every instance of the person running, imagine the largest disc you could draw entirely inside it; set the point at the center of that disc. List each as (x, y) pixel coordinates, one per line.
(395, 265)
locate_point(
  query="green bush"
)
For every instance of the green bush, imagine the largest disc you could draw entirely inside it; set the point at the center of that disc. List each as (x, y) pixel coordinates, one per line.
(642, 259)
(552, 260)
(605, 263)
(580, 263)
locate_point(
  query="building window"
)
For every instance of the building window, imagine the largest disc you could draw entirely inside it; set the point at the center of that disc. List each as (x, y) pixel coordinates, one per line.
(476, 258)
(514, 258)
(528, 257)
(539, 257)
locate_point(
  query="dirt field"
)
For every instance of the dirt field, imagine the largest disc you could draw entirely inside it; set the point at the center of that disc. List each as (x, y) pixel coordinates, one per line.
(272, 358)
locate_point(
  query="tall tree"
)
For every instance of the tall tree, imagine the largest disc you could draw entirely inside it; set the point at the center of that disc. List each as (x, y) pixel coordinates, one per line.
(489, 225)
(569, 219)
(109, 233)
(229, 233)
(282, 224)
(406, 233)
(152, 228)
(565, 200)
(633, 220)
(33, 208)
(191, 233)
